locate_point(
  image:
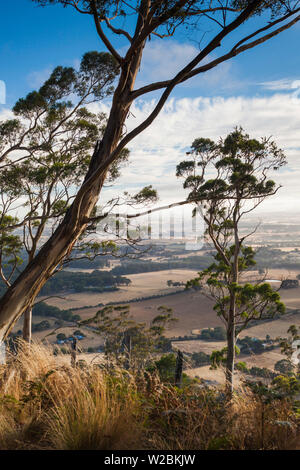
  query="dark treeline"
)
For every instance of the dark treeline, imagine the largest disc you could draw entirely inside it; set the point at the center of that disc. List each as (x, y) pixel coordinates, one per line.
(272, 258)
(266, 258)
(85, 263)
(42, 309)
(98, 281)
(101, 281)
(142, 266)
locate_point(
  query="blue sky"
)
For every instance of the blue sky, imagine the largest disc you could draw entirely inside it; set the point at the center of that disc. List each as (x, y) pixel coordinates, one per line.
(257, 89)
(33, 40)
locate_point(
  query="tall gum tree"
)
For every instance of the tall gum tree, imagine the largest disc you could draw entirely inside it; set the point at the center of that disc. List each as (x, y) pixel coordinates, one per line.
(226, 37)
(230, 179)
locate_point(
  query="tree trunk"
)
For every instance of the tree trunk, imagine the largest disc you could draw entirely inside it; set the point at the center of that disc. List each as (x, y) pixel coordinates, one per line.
(178, 369)
(74, 353)
(27, 325)
(231, 327)
(27, 286)
(230, 359)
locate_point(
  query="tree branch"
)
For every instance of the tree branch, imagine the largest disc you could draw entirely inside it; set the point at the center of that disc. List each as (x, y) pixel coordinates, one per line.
(118, 30)
(139, 214)
(232, 53)
(101, 34)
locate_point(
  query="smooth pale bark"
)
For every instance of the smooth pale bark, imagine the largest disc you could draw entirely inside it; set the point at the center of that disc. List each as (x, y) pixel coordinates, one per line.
(231, 327)
(230, 358)
(28, 285)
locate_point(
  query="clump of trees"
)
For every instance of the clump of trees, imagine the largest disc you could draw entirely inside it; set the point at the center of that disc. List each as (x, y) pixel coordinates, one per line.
(98, 281)
(199, 359)
(128, 342)
(217, 334)
(262, 372)
(289, 284)
(171, 283)
(290, 347)
(44, 310)
(249, 345)
(284, 366)
(41, 326)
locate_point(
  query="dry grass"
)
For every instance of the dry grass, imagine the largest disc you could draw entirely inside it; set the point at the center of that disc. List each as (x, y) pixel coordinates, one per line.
(45, 404)
(205, 421)
(97, 414)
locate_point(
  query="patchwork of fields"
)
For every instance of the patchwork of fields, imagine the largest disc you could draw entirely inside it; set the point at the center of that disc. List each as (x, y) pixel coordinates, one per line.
(193, 310)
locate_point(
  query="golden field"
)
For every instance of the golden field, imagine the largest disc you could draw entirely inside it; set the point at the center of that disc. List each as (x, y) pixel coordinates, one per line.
(193, 310)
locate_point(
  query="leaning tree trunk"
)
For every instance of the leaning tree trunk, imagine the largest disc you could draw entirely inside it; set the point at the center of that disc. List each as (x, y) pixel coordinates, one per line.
(21, 295)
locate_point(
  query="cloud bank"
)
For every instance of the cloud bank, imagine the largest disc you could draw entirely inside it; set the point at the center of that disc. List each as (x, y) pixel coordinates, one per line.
(156, 152)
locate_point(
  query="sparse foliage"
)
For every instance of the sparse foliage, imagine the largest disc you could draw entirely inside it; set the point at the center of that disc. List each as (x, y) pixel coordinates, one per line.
(241, 167)
(128, 341)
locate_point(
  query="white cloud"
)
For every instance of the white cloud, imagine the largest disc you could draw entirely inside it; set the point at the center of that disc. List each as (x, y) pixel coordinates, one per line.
(2, 92)
(37, 78)
(163, 59)
(155, 152)
(6, 113)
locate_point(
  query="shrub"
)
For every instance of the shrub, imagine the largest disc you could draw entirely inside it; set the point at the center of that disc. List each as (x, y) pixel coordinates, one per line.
(61, 337)
(284, 366)
(241, 366)
(200, 359)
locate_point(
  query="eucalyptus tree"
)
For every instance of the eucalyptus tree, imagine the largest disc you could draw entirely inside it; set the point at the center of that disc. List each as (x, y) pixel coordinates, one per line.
(128, 341)
(230, 179)
(232, 27)
(46, 149)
